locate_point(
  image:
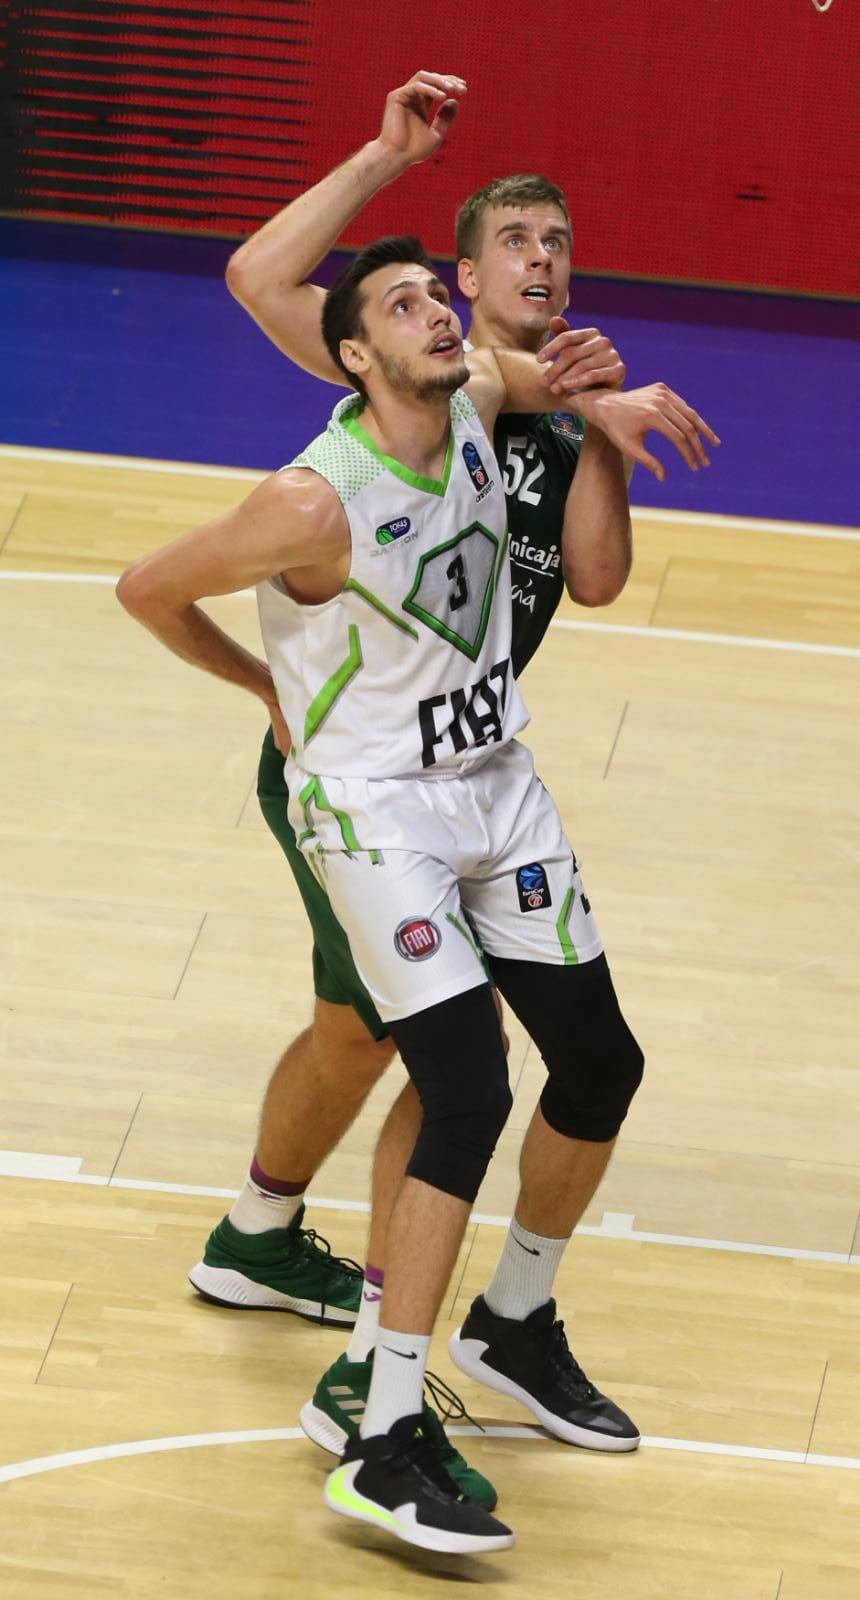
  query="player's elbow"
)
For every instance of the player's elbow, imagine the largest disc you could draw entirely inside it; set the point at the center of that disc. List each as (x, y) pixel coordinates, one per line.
(239, 276)
(234, 275)
(134, 591)
(595, 588)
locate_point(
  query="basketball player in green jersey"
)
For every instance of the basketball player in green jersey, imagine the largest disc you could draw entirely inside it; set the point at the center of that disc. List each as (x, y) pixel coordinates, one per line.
(514, 246)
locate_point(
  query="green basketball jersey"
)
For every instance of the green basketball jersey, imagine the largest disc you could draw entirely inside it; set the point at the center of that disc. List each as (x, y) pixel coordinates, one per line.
(537, 456)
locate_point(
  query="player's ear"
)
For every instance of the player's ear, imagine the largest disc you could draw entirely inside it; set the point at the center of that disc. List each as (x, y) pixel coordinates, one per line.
(353, 357)
(466, 279)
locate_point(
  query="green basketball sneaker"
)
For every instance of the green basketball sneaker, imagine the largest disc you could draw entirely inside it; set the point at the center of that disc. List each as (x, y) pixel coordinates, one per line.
(284, 1269)
(337, 1407)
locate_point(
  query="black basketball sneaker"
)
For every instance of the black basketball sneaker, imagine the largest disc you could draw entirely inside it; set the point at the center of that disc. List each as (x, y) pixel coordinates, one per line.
(532, 1362)
(397, 1481)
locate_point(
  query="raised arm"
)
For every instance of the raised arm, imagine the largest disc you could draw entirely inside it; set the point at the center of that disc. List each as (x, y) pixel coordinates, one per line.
(294, 519)
(268, 274)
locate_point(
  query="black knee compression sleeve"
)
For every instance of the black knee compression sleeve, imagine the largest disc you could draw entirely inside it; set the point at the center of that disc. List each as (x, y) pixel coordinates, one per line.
(594, 1063)
(454, 1055)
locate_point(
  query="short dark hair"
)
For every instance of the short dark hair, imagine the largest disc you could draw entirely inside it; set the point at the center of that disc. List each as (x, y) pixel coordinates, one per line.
(521, 189)
(343, 305)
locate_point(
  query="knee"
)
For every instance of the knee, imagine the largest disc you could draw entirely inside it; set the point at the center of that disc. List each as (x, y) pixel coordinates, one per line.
(454, 1054)
(456, 1142)
(589, 1098)
(346, 1049)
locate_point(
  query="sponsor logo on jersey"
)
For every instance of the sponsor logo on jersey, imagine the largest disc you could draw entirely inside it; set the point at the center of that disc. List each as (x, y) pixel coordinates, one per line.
(469, 716)
(417, 938)
(533, 888)
(476, 470)
(393, 530)
(545, 560)
(562, 422)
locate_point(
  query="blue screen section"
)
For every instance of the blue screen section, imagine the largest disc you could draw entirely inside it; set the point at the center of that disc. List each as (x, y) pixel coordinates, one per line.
(125, 343)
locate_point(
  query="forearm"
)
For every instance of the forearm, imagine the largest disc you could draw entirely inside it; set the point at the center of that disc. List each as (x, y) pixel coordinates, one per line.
(597, 543)
(268, 273)
(527, 390)
(192, 636)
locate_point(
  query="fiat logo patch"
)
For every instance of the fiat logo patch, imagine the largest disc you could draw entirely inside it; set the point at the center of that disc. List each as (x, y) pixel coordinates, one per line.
(417, 939)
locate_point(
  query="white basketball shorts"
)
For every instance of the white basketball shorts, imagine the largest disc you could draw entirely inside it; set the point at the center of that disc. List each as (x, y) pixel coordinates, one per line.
(427, 874)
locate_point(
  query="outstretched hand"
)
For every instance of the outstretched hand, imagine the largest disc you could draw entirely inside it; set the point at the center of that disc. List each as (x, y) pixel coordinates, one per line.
(419, 115)
(625, 418)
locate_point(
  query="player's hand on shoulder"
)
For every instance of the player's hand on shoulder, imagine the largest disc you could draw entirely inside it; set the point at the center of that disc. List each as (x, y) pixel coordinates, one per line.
(419, 115)
(580, 358)
(625, 418)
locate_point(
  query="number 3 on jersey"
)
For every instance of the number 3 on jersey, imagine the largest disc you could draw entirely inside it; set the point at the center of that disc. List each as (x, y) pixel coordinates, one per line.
(522, 451)
(452, 592)
(457, 574)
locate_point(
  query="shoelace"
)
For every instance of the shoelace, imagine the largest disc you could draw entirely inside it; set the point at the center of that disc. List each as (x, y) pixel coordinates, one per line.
(447, 1403)
(422, 1451)
(319, 1249)
(318, 1246)
(562, 1365)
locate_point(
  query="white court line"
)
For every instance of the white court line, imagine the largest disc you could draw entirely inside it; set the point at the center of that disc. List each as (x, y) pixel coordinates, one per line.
(714, 519)
(614, 1224)
(77, 458)
(691, 636)
(631, 630)
(197, 469)
(28, 1164)
(60, 577)
(197, 1441)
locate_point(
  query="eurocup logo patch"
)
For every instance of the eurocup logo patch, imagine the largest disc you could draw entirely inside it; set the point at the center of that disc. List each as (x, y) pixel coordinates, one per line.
(417, 939)
(532, 887)
(475, 466)
(393, 530)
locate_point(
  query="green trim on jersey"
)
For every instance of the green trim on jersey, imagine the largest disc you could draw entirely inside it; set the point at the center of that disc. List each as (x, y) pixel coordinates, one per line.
(314, 791)
(332, 690)
(470, 940)
(561, 928)
(380, 606)
(340, 459)
(438, 486)
(472, 648)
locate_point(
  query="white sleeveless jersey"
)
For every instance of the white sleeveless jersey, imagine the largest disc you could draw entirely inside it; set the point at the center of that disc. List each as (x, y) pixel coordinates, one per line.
(408, 670)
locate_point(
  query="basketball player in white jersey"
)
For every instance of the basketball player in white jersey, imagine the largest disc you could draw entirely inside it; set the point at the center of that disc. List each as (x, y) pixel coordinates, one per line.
(385, 605)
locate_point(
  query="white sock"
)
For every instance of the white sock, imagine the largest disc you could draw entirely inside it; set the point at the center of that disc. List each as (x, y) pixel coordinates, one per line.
(258, 1209)
(363, 1337)
(525, 1272)
(397, 1385)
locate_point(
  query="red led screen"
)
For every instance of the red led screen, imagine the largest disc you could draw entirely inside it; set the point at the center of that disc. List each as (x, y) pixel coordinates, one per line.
(712, 140)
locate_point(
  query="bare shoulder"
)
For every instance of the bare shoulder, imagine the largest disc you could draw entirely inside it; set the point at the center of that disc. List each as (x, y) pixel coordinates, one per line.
(486, 386)
(303, 513)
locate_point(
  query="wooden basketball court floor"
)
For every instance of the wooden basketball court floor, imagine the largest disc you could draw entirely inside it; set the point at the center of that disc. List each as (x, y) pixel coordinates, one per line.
(701, 738)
